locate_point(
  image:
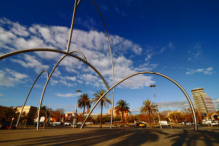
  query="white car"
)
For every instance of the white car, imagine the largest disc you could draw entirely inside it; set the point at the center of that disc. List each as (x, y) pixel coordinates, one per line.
(164, 123)
(67, 124)
(188, 123)
(214, 123)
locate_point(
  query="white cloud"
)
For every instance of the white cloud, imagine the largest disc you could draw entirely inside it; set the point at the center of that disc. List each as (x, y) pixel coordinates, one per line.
(31, 62)
(168, 104)
(151, 51)
(2, 100)
(61, 81)
(215, 100)
(207, 71)
(170, 45)
(146, 67)
(56, 73)
(88, 22)
(71, 78)
(94, 46)
(10, 77)
(174, 104)
(195, 52)
(67, 95)
(1, 94)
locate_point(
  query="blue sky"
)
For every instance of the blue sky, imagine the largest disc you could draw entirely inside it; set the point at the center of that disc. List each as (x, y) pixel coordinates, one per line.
(176, 38)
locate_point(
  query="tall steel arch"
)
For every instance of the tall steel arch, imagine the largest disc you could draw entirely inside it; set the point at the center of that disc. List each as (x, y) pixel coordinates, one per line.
(148, 72)
(59, 51)
(29, 94)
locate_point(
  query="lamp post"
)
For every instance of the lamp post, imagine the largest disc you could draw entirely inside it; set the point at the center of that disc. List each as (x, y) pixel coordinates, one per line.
(75, 114)
(156, 105)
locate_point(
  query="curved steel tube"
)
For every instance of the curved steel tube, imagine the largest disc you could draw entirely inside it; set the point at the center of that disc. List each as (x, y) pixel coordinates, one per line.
(29, 94)
(53, 50)
(111, 121)
(72, 24)
(49, 79)
(148, 72)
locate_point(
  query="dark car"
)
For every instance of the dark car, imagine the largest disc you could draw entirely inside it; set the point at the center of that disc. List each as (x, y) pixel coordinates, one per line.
(8, 127)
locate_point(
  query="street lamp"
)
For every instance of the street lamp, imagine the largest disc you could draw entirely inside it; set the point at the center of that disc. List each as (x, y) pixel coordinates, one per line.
(156, 105)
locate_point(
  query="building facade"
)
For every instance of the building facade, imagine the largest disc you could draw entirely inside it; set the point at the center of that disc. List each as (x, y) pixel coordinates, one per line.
(117, 113)
(202, 101)
(27, 109)
(28, 112)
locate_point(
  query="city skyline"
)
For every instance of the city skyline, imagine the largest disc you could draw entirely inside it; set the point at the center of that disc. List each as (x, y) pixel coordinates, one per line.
(177, 39)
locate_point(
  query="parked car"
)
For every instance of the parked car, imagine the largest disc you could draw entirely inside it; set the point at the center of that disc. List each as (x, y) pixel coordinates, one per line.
(56, 123)
(214, 123)
(8, 127)
(206, 121)
(164, 123)
(188, 123)
(67, 124)
(142, 125)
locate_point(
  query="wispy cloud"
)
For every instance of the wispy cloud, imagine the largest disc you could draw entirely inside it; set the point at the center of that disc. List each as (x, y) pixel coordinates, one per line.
(207, 71)
(2, 100)
(195, 52)
(1, 94)
(31, 62)
(174, 104)
(104, 8)
(151, 51)
(10, 77)
(67, 95)
(94, 46)
(215, 100)
(120, 11)
(168, 104)
(88, 23)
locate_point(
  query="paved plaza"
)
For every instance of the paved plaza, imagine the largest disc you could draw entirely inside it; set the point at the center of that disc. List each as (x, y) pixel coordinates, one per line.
(206, 136)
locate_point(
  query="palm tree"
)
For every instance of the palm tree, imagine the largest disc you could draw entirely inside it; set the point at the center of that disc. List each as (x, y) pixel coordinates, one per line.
(83, 102)
(148, 108)
(122, 106)
(104, 102)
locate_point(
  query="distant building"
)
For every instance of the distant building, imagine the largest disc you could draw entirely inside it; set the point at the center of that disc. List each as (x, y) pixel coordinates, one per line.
(27, 109)
(95, 115)
(202, 101)
(117, 113)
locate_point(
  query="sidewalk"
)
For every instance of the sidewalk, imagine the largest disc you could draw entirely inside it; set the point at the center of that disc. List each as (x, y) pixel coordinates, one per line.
(105, 136)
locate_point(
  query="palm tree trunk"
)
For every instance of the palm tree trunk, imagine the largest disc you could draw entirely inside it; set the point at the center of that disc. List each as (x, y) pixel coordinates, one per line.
(150, 118)
(83, 113)
(122, 120)
(101, 116)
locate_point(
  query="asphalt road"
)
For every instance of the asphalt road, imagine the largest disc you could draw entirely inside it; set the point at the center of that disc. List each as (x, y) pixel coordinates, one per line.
(185, 136)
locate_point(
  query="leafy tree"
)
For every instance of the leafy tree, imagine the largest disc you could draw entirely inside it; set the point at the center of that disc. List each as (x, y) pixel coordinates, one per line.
(122, 106)
(116, 118)
(83, 102)
(104, 102)
(148, 108)
(131, 118)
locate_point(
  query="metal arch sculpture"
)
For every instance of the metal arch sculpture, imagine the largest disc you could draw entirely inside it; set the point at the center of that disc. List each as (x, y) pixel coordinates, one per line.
(50, 75)
(53, 50)
(69, 40)
(111, 121)
(29, 94)
(148, 72)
